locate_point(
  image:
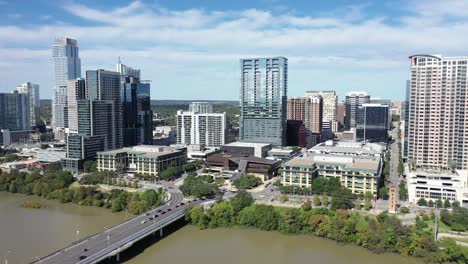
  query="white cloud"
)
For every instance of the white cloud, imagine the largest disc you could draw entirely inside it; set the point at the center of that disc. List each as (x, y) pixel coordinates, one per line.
(191, 46)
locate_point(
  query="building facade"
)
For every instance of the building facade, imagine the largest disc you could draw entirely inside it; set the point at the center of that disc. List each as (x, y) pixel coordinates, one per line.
(137, 113)
(263, 100)
(142, 159)
(372, 123)
(14, 111)
(32, 90)
(353, 101)
(208, 129)
(340, 114)
(329, 117)
(76, 90)
(201, 107)
(67, 67)
(435, 185)
(437, 134)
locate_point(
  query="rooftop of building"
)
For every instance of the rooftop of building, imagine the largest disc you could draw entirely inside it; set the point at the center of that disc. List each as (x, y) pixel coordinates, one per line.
(348, 147)
(146, 150)
(300, 162)
(237, 157)
(246, 144)
(348, 163)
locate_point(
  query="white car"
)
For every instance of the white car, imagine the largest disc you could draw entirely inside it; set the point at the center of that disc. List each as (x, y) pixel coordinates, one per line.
(144, 221)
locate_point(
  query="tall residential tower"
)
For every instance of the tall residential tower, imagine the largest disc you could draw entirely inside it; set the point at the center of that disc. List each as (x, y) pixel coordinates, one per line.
(438, 116)
(263, 100)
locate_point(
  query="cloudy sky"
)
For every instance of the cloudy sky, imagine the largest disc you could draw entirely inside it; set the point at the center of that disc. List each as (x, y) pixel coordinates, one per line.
(190, 49)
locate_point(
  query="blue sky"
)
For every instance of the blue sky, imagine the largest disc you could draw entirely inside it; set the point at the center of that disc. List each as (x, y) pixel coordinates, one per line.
(190, 49)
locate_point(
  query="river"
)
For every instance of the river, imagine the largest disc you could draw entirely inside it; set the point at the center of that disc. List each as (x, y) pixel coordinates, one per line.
(28, 233)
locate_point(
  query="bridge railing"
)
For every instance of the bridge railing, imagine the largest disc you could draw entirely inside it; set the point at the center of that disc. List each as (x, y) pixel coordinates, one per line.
(133, 238)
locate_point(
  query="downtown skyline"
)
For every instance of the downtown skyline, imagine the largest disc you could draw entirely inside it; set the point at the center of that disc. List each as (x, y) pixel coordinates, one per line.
(193, 53)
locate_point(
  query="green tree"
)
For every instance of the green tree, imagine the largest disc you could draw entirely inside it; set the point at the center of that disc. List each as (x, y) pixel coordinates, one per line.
(446, 203)
(404, 210)
(367, 205)
(241, 200)
(422, 202)
(439, 203)
(247, 181)
(284, 198)
(430, 203)
(90, 166)
(402, 191)
(383, 192)
(325, 200)
(168, 174)
(307, 205)
(317, 201)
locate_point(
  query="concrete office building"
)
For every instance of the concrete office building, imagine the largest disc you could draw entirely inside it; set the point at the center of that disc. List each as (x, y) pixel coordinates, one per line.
(353, 101)
(142, 159)
(434, 185)
(67, 67)
(208, 129)
(32, 90)
(263, 100)
(14, 111)
(372, 123)
(437, 134)
(329, 117)
(76, 90)
(126, 71)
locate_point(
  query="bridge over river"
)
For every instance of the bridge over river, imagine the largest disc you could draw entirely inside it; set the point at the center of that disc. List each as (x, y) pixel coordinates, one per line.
(122, 236)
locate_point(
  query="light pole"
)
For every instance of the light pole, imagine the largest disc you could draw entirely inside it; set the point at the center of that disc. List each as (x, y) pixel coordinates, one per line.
(77, 232)
(6, 256)
(108, 236)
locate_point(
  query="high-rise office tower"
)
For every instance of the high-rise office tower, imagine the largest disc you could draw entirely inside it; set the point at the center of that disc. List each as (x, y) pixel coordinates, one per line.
(340, 113)
(136, 107)
(103, 90)
(76, 90)
(263, 100)
(353, 101)
(14, 111)
(67, 67)
(32, 90)
(372, 122)
(437, 134)
(307, 109)
(201, 128)
(329, 122)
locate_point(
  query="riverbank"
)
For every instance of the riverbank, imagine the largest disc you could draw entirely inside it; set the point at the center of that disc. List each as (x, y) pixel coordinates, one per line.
(381, 234)
(28, 233)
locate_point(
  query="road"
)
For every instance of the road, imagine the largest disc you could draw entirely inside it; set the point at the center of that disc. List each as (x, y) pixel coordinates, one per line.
(394, 158)
(114, 236)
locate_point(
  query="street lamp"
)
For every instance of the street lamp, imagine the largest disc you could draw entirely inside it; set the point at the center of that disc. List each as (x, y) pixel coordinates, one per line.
(6, 256)
(77, 232)
(108, 236)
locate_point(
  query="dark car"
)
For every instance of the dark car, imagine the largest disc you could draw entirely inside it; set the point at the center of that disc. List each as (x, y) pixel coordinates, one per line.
(163, 212)
(159, 211)
(169, 209)
(182, 203)
(85, 249)
(151, 218)
(82, 257)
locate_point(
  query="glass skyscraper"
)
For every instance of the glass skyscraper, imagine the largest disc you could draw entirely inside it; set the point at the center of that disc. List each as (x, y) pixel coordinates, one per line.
(67, 67)
(372, 123)
(263, 100)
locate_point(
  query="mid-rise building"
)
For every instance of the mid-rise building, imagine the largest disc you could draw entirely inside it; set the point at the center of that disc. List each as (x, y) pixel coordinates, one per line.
(353, 101)
(372, 123)
(208, 129)
(437, 134)
(329, 117)
(263, 100)
(142, 159)
(76, 90)
(14, 111)
(358, 166)
(67, 67)
(434, 185)
(32, 90)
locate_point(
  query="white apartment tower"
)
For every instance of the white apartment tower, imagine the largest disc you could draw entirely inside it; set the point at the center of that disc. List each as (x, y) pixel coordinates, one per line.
(438, 114)
(32, 90)
(67, 67)
(195, 128)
